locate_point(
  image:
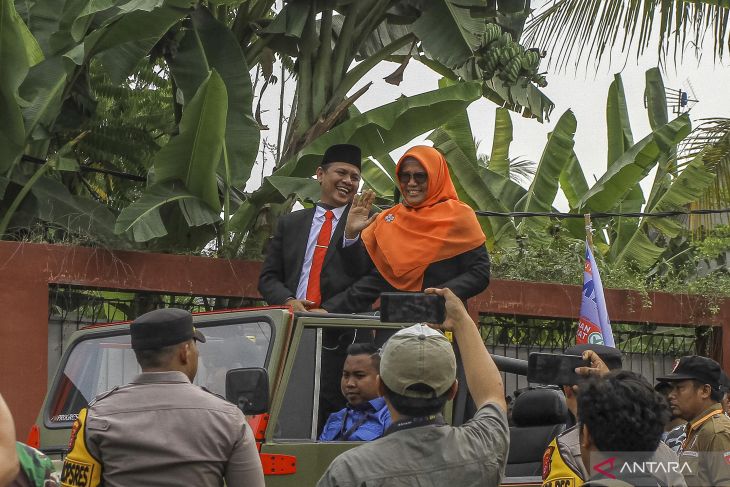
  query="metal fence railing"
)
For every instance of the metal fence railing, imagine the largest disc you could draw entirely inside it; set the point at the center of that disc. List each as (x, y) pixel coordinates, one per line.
(648, 349)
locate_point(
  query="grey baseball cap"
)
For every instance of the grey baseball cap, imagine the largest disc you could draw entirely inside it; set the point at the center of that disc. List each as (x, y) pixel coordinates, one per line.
(418, 355)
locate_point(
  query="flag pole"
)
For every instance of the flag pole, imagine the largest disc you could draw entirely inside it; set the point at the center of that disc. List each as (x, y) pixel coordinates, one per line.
(589, 230)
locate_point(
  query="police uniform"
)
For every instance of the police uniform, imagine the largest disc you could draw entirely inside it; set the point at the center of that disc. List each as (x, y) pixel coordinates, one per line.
(563, 464)
(160, 429)
(706, 448)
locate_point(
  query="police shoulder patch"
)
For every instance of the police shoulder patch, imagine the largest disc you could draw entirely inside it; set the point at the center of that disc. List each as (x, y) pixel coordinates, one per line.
(547, 459)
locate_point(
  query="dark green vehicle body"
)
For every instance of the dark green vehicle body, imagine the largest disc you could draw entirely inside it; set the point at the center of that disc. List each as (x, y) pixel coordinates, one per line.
(288, 346)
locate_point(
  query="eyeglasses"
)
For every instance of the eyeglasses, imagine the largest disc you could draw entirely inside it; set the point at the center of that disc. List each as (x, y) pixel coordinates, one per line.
(418, 177)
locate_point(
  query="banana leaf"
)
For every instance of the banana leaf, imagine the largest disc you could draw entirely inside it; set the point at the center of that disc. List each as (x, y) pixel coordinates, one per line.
(304, 189)
(121, 44)
(211, 45)
(620, 139)
(448, 32)
(691, 183)
(18, 51)
(192, 156)
(634, 165)
(143, 219)
(75, 214)
(656, 107)
(499, 160)
(376, 132)
(557, 153)
(43, 90)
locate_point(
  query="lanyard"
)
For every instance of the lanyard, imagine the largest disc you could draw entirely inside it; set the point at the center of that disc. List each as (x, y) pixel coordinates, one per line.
(404, 424)
(345, 435)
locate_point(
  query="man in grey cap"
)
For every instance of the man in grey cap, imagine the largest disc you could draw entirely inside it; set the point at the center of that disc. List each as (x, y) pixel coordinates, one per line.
(696, 398)
(417, 377)
(160, 429)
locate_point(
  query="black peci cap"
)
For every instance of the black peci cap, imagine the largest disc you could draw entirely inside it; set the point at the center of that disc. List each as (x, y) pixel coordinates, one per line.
(162, 328)
(694, 367)
(610, 356)
(347, 153)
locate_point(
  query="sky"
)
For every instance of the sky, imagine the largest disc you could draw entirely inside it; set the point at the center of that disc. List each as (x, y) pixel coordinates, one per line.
(584, 93)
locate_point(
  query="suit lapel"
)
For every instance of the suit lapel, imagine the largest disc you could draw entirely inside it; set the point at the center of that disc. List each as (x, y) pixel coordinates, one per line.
(336, 237)
(300, 239)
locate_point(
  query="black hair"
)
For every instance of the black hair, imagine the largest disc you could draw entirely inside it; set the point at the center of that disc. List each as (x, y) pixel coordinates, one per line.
(622, 412)
(417, 406)
(156, 357)
(366, 349)
(715, 394)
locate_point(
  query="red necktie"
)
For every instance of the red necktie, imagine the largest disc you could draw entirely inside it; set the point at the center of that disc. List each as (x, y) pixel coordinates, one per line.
(314, 294)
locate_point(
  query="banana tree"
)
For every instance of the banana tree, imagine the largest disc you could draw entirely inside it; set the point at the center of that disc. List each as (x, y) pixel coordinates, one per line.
(196, 167)
(640, 241)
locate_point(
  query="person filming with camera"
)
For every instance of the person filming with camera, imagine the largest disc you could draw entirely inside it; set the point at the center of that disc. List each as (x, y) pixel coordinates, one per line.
(417, 378)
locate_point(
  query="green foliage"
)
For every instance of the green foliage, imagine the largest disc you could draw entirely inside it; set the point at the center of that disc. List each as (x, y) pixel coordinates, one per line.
(696, 267)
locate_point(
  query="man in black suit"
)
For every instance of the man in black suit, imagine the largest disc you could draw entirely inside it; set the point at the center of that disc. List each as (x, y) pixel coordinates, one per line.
(287, 276)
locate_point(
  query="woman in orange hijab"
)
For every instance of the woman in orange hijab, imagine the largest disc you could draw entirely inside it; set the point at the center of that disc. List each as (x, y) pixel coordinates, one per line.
(430, 240)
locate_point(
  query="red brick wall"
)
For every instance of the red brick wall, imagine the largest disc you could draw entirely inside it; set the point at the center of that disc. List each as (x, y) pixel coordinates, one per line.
(27, 269)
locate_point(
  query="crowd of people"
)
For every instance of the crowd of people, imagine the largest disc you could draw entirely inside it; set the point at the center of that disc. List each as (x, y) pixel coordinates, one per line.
(337, 257)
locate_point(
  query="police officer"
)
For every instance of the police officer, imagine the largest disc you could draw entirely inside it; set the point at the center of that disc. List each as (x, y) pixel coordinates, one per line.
(160, 429)
(562, 463)
(696, 397)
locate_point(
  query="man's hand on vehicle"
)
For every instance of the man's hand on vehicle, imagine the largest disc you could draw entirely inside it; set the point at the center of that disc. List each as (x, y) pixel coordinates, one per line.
(299, 304)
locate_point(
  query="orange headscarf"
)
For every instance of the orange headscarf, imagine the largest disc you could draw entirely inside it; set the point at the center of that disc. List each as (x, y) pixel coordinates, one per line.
(404, 240)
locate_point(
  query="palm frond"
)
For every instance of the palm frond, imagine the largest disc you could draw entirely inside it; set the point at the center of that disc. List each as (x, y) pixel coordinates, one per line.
(711, 138)
(578, 30)
(521, 171)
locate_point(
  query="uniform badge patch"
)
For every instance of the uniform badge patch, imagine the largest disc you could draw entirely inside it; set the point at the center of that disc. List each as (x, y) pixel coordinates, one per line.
(726, 456)
(76, 474)
(561, 482)
(547, 461)
(74, 432)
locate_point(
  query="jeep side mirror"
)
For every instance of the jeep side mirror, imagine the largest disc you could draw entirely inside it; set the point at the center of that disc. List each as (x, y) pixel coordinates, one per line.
(248, 388)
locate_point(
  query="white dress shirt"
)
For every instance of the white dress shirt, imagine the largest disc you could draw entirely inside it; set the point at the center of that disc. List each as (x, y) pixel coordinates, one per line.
(317, 222)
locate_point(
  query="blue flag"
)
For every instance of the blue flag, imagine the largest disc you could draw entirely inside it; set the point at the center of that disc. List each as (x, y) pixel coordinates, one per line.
(594, 326)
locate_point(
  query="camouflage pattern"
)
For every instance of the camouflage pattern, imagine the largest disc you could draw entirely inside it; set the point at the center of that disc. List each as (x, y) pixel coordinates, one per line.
(36, 469)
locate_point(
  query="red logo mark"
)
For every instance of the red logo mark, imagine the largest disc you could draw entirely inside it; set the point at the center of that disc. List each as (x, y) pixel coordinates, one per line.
(546, 462)
(74, 432)
(610, 464)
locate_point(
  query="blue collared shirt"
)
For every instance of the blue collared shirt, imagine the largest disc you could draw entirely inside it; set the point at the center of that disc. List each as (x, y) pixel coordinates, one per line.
(373, 420)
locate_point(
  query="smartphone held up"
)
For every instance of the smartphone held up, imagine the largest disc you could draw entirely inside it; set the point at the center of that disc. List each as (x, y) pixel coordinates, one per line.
(412, 308)
(554, 369)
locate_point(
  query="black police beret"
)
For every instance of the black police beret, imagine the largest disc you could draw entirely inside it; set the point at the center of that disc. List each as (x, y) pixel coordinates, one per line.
(610, 356)
(346, 153)
(694, 367)
(163, 327)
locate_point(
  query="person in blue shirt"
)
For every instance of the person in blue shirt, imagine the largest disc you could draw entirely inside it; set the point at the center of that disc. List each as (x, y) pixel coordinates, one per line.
(366, 417)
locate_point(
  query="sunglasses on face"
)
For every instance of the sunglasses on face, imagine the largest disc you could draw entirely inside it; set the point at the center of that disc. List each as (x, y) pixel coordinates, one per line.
(418, 177)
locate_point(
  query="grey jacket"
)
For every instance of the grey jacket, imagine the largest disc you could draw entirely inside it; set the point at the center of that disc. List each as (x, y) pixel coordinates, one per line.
(162, 430)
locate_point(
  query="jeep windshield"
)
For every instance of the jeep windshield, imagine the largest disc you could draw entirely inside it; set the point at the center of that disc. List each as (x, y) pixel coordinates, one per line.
(98, 364)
